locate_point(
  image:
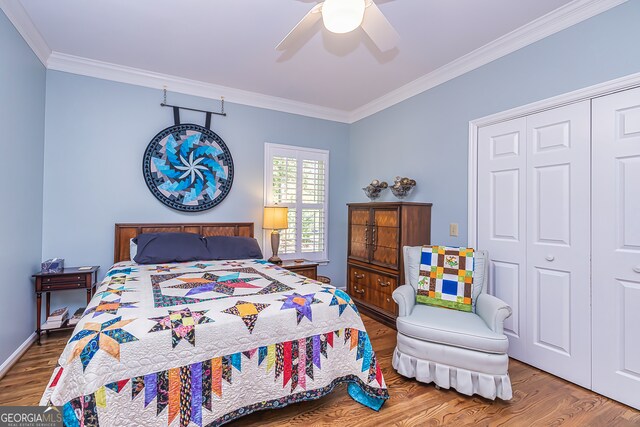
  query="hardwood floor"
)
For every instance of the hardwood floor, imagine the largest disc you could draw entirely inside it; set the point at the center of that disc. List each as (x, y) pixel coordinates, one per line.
(538, 398)
(26, 380)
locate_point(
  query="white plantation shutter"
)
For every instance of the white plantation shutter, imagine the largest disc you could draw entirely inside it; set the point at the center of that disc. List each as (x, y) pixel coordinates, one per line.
(288, 236)
(285, 177)
(313, 212)
(297, 178)
(284, 192)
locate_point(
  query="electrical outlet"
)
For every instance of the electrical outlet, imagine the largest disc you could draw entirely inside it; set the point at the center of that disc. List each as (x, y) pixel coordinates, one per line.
(453, 229)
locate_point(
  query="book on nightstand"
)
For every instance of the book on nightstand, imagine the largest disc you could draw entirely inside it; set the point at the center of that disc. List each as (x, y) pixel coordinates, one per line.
(77, 316)
(58, 314)
(56, 319)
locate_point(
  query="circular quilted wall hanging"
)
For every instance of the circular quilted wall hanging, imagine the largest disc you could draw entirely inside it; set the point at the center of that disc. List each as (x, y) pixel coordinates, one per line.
(188, 168)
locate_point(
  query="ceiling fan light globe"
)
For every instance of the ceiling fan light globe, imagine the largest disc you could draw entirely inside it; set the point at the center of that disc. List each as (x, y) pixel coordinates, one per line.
(342, 16)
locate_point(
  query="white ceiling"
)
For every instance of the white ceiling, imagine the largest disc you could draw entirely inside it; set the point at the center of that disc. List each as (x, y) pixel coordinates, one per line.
(231, 43)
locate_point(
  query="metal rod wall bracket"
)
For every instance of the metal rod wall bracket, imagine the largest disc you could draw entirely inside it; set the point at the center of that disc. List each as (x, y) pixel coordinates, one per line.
(164, 104)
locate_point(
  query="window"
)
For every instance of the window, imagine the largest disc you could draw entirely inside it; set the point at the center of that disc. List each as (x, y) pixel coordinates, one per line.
(298, 178)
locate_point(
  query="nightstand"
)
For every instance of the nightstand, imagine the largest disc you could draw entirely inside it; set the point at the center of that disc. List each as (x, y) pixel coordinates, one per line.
(306, 268)
(70, 278)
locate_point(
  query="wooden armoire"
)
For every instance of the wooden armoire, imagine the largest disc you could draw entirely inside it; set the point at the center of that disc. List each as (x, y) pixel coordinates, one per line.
(377, 233)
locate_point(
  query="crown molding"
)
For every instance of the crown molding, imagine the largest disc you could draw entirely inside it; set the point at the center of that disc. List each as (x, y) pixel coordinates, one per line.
(21, 20)
(551, 23)
(123, 74)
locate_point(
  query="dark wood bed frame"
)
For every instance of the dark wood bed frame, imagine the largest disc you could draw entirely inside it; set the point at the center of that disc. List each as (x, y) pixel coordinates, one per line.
(125, 232)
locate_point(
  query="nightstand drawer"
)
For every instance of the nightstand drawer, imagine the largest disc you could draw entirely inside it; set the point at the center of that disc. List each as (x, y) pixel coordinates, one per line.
(64, 279)
(306, 269)
(62, 286)
(307, 272)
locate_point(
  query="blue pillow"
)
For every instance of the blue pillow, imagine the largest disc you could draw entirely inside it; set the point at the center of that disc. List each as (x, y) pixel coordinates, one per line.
(233, 247)
(160, 248)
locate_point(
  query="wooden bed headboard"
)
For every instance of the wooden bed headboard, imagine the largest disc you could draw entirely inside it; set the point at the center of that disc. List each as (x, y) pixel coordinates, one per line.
(126, 232)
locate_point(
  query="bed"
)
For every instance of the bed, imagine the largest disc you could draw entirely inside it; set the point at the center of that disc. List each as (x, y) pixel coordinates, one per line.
(205, 342)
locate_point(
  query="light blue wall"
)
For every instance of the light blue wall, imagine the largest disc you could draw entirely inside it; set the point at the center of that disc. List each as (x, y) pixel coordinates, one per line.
(426, 136)
(96, 134)
(22, 98)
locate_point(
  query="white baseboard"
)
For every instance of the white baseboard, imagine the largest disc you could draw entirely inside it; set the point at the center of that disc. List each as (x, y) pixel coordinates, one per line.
(15, 356)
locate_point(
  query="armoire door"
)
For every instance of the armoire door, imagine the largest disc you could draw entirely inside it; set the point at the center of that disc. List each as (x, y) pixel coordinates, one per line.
(359, 228)
(616, 246)
(501, 219)
(558, 242)
(385, 235)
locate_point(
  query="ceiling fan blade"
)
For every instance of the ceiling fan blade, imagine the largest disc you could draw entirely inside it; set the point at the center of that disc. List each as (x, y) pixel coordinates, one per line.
(301, 27)
(379, 29)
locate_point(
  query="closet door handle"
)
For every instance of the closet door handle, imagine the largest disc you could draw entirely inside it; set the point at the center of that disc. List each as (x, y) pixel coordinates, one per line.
(636, 269)
(549, 257)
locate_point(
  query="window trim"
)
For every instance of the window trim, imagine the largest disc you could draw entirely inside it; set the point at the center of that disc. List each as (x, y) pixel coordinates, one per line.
(319, 257)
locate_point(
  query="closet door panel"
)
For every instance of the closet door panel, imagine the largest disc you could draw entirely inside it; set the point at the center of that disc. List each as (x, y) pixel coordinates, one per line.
(504, 281)
(616, 246)
(553, 328)
(501, 219)
(558, 243)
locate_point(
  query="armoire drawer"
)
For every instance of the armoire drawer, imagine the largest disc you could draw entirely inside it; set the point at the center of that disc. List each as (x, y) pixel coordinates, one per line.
(382, 287)
(373, 288)
(358, 282)
(383, 283)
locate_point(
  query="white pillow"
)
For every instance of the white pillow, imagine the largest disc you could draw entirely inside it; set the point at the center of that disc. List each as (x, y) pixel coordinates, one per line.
(133, 249)
(413, 256)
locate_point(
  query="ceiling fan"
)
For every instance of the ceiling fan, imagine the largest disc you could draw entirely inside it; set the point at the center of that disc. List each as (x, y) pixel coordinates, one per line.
(343, 16)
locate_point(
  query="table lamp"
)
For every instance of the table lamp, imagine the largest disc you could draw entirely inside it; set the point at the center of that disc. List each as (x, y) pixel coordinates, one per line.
(275, 219)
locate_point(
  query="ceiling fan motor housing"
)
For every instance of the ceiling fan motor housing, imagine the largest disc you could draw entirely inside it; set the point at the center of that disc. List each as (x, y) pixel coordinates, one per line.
(342, 16)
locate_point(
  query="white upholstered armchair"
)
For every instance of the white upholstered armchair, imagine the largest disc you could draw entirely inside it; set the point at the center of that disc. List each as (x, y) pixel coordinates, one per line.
(466, 351)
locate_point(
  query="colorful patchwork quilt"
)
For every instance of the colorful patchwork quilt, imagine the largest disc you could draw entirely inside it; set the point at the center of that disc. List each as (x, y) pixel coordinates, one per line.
(200, 344)
(446, 277)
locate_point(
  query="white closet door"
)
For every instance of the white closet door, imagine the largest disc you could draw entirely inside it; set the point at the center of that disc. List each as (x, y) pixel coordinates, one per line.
(558, 242)
(501, 219)
(616, 246)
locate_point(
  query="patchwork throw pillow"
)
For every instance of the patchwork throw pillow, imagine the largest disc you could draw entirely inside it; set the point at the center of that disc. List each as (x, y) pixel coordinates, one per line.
(446, 277)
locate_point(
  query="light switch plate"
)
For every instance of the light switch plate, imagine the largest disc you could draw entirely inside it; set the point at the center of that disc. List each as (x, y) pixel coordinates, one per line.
(453, 229)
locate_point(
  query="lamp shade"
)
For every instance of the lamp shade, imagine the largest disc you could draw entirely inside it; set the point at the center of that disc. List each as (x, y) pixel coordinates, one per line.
(342, 16)
(275, 217)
